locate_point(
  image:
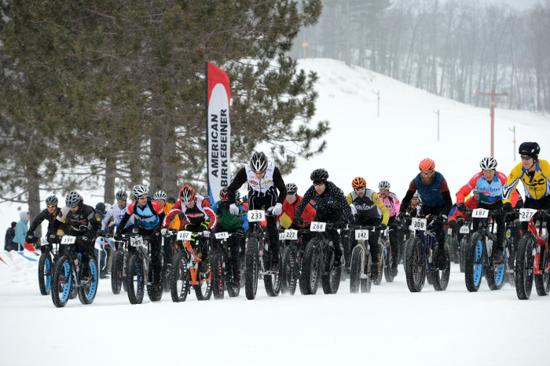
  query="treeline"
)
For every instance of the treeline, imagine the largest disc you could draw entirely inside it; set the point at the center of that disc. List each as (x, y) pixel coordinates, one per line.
(451, 48)
(111, 93)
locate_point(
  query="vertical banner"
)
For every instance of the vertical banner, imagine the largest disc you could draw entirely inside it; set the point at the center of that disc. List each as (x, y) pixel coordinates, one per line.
(218, 131)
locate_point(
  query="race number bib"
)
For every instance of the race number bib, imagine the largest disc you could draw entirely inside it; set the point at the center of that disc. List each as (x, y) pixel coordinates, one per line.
(184, 235)
(361, 235)
(480, 213)
(464, 229)
(256, 215)
(136, 241)
(318, 226)
(419, 224)
(526, 214)
(68, 239)
(221, 236)
(291, 234)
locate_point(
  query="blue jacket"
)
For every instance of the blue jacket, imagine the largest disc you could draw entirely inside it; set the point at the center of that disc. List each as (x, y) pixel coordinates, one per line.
(21, 229)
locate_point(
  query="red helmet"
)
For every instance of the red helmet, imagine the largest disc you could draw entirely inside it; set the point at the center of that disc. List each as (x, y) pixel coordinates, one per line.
(187, 193)
(426, 165)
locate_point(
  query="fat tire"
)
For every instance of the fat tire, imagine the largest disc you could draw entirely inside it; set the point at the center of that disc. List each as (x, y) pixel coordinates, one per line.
(523, 273)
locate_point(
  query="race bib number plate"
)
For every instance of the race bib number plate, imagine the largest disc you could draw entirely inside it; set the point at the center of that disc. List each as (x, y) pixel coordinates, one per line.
(184, 235)
(318, 226)
(256, 215)
(464, 229)
(526, 214)
(480, 213)
(361, 235)
(290, 234)
(419, 224)
(68, 239)
(136, 241)
(222, 235)
(449, 231)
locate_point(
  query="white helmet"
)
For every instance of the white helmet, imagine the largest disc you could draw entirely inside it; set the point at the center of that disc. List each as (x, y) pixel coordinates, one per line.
(488, 163)
(384, 185)
(139, 190)
(160, 195)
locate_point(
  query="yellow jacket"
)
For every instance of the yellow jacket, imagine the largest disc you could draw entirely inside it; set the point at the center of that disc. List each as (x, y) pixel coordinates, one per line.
(369, 206)
(175, 223)
(536, 184)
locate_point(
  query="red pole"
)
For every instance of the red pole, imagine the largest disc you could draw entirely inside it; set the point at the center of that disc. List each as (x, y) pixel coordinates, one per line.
(492, 106)
(492, 125)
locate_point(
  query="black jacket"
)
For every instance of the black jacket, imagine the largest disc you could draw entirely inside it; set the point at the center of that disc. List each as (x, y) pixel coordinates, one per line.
(331, 206)
(8, 240)
(44, 215)
(83, 222)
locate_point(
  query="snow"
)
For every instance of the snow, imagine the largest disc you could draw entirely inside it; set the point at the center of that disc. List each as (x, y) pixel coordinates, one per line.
(390, 325)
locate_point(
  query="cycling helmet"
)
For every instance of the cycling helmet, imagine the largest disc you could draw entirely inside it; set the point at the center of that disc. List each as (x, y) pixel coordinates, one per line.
(160, 195)
(291, 188)
(319, 175)
(531, 149)
(73, 199)
(187, 193)
(384, 185)
(121, 196)
(426, 165)
(224, 196)
(100, 207)
(51, 200)
(258, 162)
(417, 196)
(488, 163)
(139, 190)
(358, 182)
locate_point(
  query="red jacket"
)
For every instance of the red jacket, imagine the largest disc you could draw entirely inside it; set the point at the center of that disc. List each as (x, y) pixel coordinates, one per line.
(198, 213)
(289, 211)
(468, 187)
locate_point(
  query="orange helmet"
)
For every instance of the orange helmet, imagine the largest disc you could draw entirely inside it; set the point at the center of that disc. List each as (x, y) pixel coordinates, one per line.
(426, 165)
(187, 193)
(358, 182)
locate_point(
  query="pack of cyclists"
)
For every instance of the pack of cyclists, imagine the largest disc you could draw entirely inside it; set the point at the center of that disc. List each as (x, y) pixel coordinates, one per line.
(428, 195)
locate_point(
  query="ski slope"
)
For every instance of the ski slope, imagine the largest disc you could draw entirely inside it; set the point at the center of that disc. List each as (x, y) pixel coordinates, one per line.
(388, 326)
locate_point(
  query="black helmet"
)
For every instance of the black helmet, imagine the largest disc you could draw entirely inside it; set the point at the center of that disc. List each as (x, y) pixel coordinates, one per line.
(100, 207)
(258, 162)
(319, 175)
(531, 149)
(121, 196)
(291, 188)
(51, 200)
(73, 199)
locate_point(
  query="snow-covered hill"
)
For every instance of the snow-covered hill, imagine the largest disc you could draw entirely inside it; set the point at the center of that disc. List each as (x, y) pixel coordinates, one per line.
(389, 147)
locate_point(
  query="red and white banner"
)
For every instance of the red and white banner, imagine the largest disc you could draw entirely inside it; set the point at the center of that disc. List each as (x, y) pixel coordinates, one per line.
(218, 130)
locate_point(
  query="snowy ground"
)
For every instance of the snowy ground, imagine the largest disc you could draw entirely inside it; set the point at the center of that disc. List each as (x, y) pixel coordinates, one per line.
(387, 326)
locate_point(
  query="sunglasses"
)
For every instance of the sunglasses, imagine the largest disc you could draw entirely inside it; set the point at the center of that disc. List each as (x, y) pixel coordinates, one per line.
(142, 198)
(52, 206)
(427, 174)
(525, 157)
(361, 189)
(318, 183)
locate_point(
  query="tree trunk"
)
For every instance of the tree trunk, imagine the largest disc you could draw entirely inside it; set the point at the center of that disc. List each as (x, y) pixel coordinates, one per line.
(170, 161)
(33, 188)
(157, 147)
(110, 175)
